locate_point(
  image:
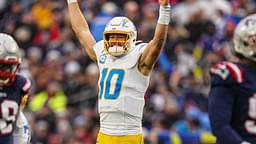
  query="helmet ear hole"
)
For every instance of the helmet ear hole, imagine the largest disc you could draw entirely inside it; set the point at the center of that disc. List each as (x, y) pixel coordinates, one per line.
(107, 37)
(245, 43)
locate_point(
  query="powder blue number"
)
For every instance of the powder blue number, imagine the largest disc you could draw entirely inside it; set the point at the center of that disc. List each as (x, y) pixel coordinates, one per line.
(105, 81)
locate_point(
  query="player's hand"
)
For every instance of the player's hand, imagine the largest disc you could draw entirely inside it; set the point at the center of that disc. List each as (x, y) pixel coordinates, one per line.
(163, 2)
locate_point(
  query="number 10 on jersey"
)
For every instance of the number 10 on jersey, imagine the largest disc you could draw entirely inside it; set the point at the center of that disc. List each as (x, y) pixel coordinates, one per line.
(110, 83)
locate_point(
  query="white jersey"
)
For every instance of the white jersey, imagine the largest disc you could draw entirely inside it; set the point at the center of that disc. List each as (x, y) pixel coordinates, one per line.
(121, 91)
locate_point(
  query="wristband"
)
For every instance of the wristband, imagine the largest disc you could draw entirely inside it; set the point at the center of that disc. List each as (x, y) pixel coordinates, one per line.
(71, 1)
(164, 15)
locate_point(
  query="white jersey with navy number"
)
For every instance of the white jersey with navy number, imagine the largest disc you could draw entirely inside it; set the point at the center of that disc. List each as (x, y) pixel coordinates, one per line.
(121, 91)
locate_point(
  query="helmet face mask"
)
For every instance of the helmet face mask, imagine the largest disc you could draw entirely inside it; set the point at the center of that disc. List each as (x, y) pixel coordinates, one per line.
(9, 59)
(116, 44)
(8, 70)
(245, 38)
(125, 29)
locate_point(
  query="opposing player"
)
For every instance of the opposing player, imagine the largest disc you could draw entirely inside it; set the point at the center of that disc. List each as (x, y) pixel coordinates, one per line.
(13, 93)
(124, 71)
(22, 132)
(232, 98)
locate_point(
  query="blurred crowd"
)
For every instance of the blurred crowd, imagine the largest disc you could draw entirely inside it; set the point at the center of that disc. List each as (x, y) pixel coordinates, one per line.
(63, 103)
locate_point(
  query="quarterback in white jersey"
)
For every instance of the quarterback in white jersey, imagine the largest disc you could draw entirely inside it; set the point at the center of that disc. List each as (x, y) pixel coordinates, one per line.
(121, 91)
(124, 71)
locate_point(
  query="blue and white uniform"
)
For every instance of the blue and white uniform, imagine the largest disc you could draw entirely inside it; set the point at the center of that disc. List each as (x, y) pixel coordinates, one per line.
(121, 91)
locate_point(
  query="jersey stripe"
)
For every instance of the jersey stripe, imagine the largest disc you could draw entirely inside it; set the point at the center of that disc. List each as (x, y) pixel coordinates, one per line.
(27, 86)
(235, 71)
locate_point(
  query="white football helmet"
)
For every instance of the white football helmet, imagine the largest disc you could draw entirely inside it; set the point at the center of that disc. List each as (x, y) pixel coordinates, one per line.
(120, 25)
(245, 37)
(9, 59)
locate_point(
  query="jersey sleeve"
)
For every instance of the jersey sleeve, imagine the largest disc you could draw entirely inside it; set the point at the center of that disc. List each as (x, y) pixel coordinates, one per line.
(141, 47)
(221, 100)
(99, 49)
(25, 85)
(226, 73)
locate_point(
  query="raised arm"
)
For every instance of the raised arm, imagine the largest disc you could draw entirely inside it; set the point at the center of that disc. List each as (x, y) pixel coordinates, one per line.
(155, 46)
(81, 28)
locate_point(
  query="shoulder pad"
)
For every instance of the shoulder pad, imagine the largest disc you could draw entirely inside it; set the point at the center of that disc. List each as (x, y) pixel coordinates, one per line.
(138, 42)
(99, 43)
(99, 47)
(227, 72)
(140, 46)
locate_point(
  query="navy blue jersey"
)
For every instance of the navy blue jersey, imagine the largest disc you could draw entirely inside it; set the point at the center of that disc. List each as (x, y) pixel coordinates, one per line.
(10, 100)
(232, 103)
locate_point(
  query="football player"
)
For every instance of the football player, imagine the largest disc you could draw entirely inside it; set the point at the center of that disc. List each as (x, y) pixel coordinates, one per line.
(232, 98)
(124, 71)
(21, 133)
(13, 93)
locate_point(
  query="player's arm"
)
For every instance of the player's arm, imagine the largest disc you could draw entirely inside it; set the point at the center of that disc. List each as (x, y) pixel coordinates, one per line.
(26, 87)
(221, 101)
(81, 28)
(154, 47)
(24, 101)
(220, 108)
